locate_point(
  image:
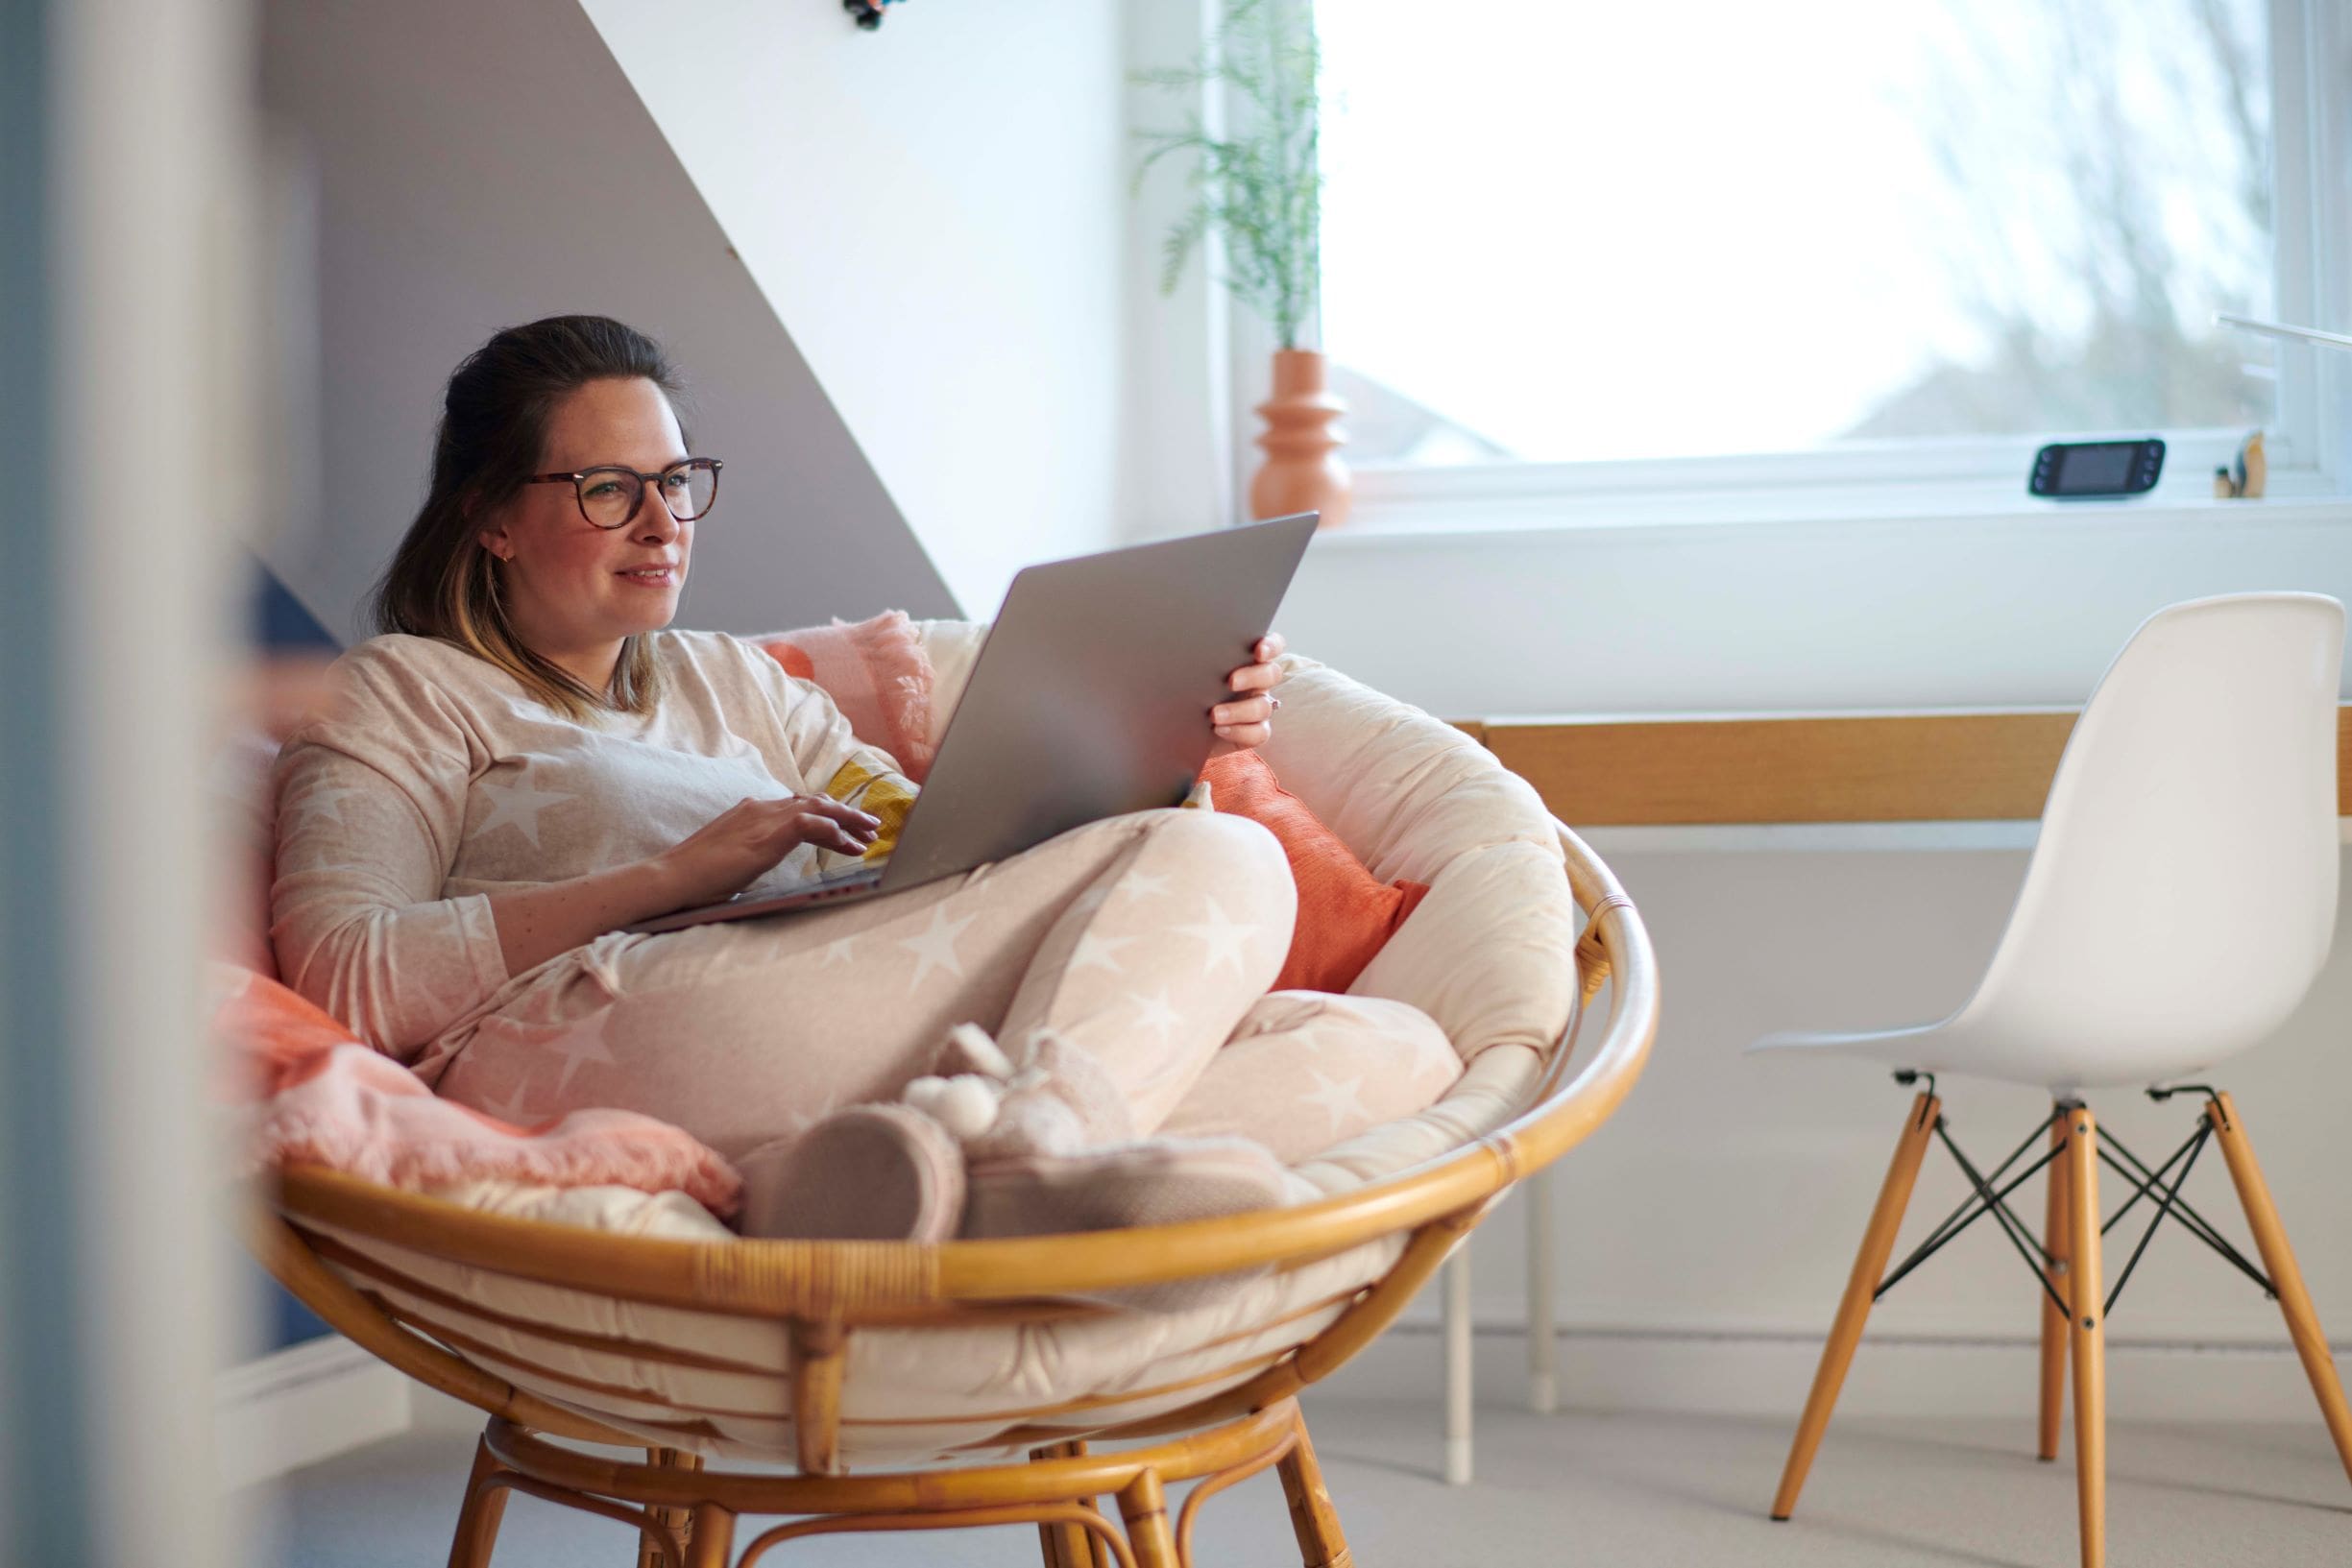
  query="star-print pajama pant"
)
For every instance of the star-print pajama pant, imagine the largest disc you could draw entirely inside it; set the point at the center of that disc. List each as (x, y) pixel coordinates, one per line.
(1144, 939)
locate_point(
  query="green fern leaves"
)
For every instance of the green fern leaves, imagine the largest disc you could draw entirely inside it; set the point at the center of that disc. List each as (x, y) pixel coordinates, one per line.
(1258, 187)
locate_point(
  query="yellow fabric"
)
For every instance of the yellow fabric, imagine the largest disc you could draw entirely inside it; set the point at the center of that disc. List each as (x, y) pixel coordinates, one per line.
(878, 792)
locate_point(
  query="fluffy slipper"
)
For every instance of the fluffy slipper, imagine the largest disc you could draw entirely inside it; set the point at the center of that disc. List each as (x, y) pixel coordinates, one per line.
(1061, 1102)
(1072, 1074)
(871, 1172)
(968, 1049)
(1164, 1181)
(966, 1105)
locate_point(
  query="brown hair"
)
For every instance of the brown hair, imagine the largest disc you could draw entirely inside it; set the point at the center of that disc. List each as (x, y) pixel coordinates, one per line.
(442, 583)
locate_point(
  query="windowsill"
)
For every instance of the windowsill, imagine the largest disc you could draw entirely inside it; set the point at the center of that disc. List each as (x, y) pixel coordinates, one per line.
(1691, 514)
(1814, 838)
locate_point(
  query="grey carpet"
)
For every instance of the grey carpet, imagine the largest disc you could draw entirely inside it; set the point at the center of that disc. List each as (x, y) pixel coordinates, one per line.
(1564, 1490)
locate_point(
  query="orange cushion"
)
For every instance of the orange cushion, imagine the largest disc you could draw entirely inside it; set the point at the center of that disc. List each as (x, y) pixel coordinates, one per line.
(1345, 917)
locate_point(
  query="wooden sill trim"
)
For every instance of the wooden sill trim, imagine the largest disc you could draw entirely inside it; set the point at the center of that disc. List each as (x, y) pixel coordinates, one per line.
(1972, 766)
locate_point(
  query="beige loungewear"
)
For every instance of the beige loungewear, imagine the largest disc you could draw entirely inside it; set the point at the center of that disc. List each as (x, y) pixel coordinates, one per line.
(432, 779)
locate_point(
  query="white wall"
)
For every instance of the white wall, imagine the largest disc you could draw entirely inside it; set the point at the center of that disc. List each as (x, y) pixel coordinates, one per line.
(936, 211)
(1898, 613)
(467, 162)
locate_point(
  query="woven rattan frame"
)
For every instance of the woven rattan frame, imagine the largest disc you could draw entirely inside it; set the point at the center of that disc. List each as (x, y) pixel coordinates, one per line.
(824, 1292)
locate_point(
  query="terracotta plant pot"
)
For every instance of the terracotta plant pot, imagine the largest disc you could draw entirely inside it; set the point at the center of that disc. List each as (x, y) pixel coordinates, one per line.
(1302, 470)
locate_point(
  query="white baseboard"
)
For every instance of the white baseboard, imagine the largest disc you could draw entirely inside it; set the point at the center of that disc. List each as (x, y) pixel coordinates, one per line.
(1768, 1374)
(298, 1406)
(429, 1410)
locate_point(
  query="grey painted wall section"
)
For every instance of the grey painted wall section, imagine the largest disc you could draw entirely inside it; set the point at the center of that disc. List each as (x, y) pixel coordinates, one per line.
(477, 166)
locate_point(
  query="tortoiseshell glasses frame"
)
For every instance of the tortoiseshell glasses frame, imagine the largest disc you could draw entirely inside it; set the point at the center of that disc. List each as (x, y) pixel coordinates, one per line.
(677, 485)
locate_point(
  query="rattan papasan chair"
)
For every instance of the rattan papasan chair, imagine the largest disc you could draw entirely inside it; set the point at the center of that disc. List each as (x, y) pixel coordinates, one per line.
(933, 1387)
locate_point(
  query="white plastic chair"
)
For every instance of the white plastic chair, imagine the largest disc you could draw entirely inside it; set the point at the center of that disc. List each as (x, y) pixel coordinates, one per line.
(2178, 904)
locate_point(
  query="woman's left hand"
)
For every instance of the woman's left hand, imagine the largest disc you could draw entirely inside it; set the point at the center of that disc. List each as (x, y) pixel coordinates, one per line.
(1247, 720)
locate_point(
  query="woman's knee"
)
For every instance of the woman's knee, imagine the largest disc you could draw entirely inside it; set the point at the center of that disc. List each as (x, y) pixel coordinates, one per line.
(1216, 836)
(1234, 853)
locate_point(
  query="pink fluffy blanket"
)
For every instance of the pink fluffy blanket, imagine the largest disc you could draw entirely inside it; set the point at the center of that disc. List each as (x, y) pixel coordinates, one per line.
(317, 1096)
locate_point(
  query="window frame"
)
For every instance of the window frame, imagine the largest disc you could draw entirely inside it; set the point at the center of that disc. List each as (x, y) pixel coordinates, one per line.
(1932, 476)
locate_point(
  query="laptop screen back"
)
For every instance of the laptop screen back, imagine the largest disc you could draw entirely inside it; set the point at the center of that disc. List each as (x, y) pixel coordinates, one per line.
(1091, 697)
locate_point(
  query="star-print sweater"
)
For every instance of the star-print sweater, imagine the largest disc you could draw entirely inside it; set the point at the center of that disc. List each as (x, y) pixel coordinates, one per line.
(432, 778)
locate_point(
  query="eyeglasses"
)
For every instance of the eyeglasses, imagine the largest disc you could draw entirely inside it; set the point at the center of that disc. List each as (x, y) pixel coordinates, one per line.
(610, 495)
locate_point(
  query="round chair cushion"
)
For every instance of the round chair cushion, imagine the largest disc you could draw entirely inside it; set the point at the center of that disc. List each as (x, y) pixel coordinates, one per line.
(1487, 955)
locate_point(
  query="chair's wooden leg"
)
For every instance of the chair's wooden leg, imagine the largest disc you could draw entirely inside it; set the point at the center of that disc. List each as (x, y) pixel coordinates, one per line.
(1066, 1546)
(816, 1353)
(1142, 1503)
(1459, 1369)
(479, 1513)
(1313, 1518)
(649, 1553)
(1543, 1341)
(713, 1542)
(1878, 1240)
(2278, 1259)
(2053, 1320)
(2087, 1333)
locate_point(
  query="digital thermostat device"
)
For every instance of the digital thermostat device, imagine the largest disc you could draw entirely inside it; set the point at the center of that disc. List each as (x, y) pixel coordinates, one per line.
(2067, 471)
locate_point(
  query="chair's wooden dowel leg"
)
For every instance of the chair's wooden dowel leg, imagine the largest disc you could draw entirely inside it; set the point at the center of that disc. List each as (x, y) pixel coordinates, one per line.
(1878, 1241)
(713, 1542)
(1459, 1371)
(1543, 1348)
(2087, 1333)
(1065, 1546)
(2278, 1260)
(1313, 1519)
(1143, 1503)
(2055, 1333)
(479, 1513)
(817, 1352)
(650, 1554)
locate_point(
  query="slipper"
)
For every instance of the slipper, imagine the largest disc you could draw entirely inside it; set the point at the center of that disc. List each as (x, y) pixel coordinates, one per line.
(871, 1172)
(1164, 1181)
(1047, 1097)
(968, 1049)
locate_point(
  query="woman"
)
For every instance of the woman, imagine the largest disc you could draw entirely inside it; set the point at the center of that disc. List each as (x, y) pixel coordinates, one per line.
(527, 761)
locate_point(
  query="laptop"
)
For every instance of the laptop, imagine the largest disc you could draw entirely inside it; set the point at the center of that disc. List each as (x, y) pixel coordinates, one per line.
(1090, 699)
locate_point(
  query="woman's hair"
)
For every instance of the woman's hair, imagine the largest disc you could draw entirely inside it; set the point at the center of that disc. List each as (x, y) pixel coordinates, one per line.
(442, 582)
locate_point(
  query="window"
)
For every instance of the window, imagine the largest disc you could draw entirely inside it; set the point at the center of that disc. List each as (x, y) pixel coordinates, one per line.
(1560, 235)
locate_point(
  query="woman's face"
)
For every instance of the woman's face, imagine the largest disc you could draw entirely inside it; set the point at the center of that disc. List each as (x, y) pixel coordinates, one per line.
(572, 590)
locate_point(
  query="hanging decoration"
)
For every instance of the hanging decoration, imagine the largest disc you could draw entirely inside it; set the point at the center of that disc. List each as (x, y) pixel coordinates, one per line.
(866, 13)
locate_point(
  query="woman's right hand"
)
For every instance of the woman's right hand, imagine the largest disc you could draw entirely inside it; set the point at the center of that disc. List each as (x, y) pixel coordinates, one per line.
(743, 843)
(725, 856)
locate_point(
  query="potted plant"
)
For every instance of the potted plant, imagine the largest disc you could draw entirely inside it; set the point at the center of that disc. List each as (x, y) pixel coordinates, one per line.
(1259, 189)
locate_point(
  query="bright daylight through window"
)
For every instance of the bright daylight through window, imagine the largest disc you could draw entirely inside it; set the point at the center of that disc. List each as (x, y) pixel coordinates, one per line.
(1572, 232)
